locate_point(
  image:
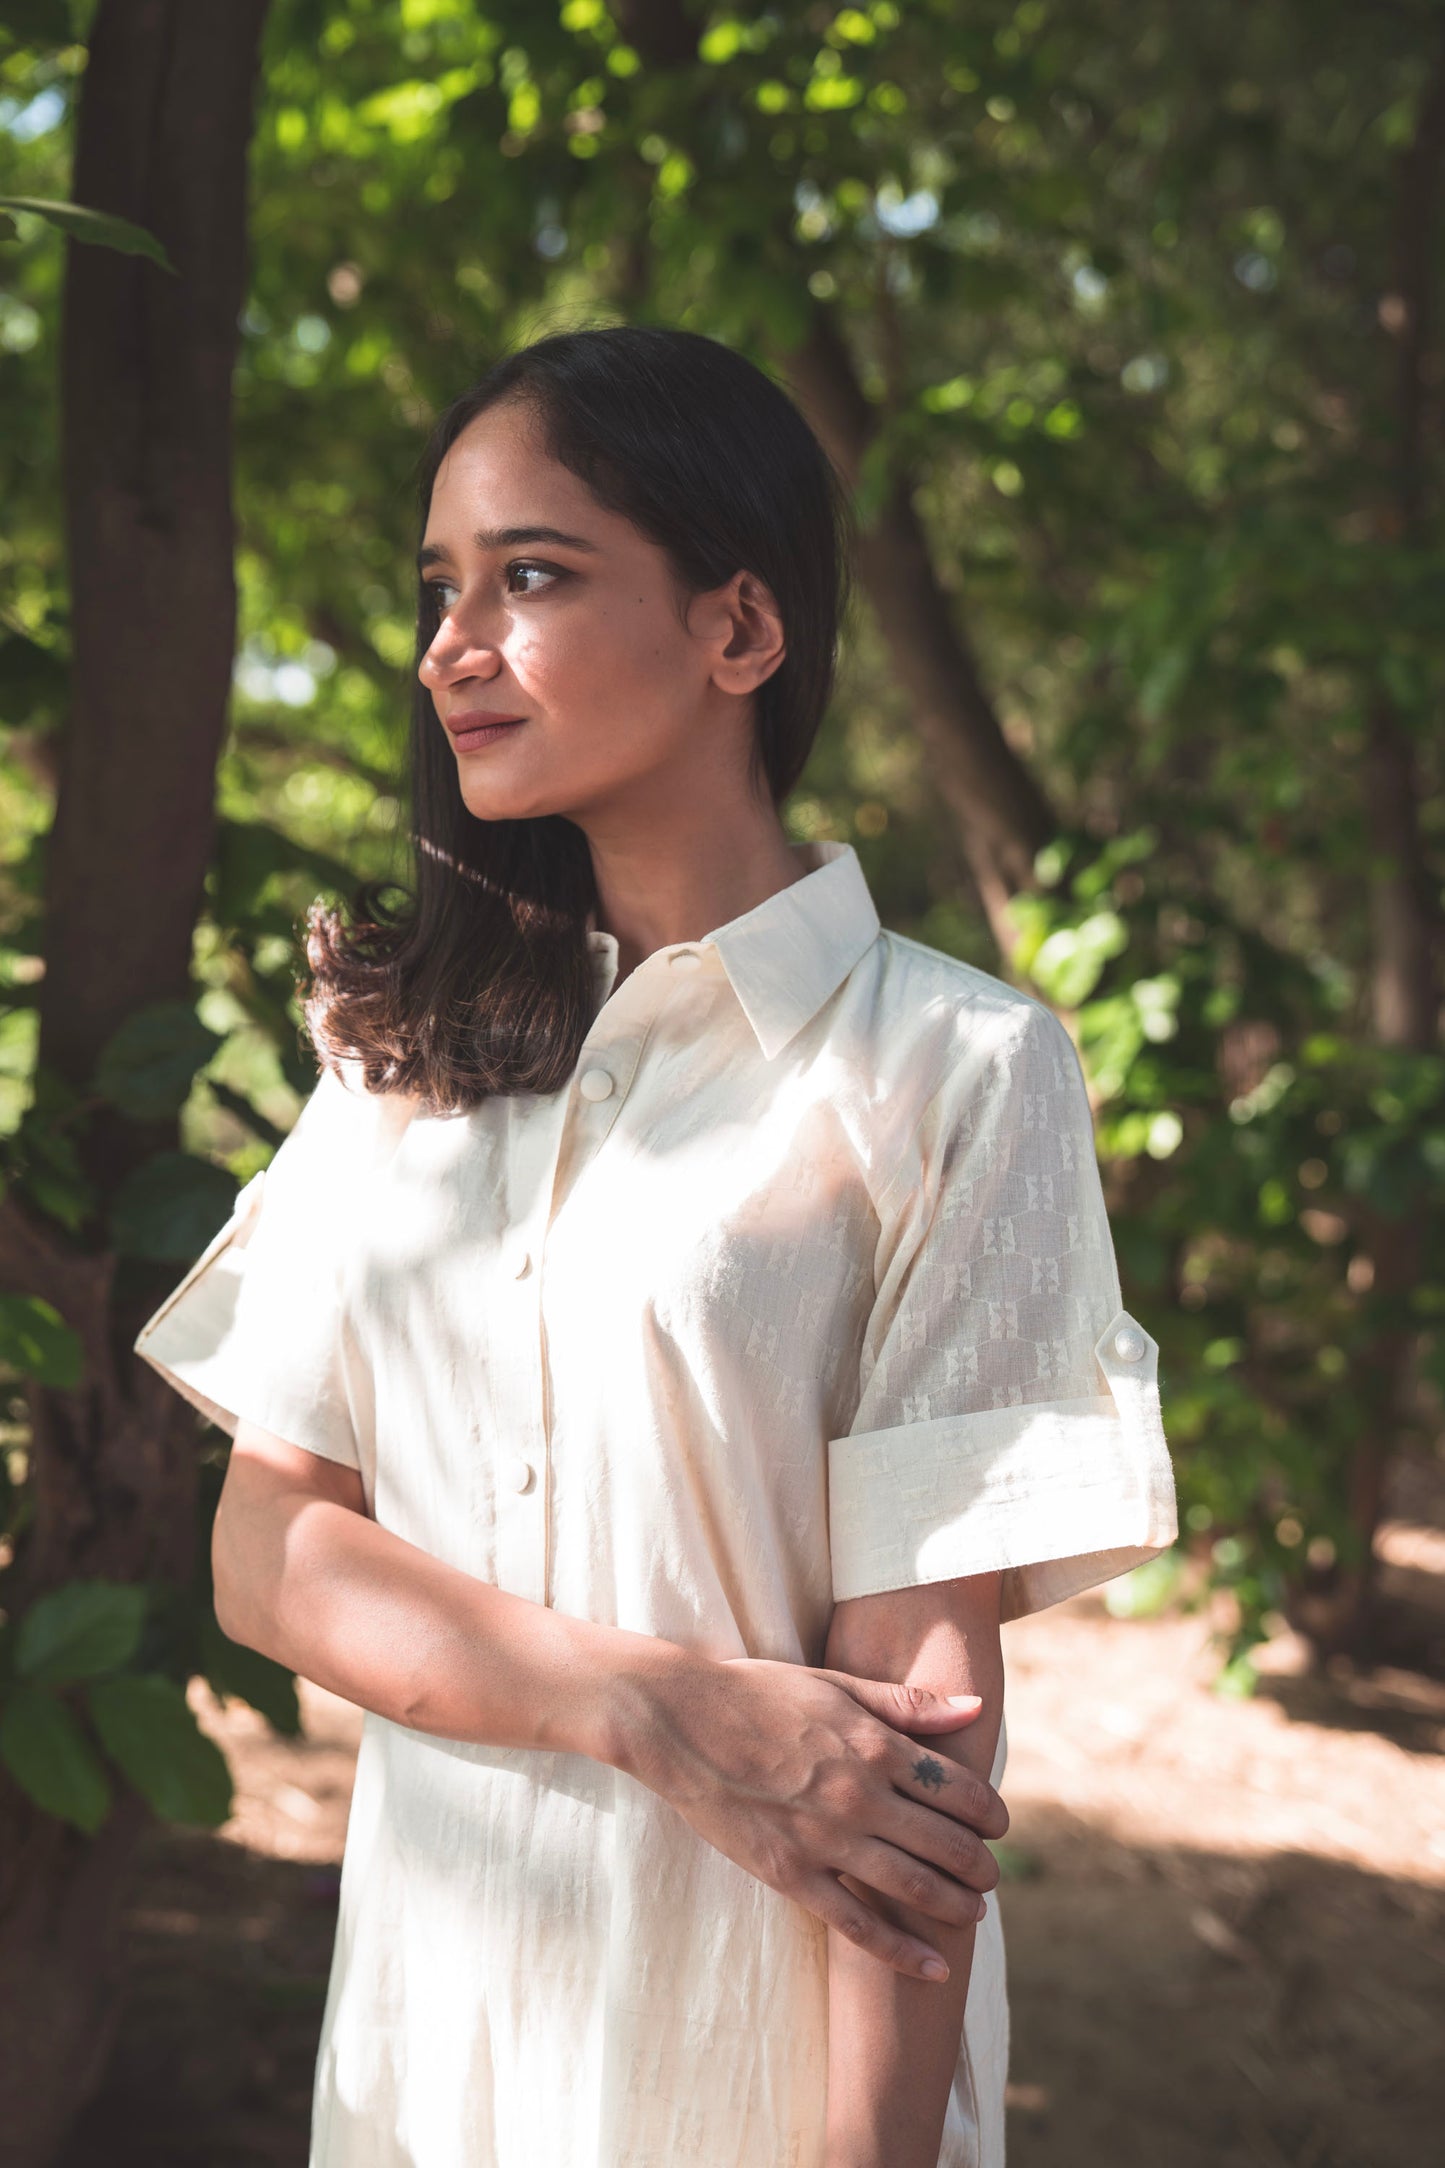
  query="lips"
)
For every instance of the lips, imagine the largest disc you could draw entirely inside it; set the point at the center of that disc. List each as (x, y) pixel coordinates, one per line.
(474, 729)
(477, 719)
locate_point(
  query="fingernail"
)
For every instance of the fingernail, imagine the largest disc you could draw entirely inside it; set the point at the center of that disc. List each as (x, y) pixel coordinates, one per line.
(963, 1701)
(934, 1969)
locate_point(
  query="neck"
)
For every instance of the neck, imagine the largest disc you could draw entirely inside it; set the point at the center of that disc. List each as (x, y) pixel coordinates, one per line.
(653, 891)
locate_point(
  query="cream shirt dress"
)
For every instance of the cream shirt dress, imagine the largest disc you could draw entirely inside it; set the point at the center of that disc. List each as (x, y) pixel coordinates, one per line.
(800, 1288)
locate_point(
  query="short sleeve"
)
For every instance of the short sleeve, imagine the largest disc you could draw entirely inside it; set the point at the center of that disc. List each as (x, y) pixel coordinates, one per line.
(1009, 1416)
(258, 1328)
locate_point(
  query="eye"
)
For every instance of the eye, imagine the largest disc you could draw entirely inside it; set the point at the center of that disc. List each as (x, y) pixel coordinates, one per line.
(525, 565)
(518, 566)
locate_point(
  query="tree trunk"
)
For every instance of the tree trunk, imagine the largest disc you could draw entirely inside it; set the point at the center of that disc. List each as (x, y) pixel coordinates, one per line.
(146, 366)
(146, 359)
(1003, 816)
(1405, 923)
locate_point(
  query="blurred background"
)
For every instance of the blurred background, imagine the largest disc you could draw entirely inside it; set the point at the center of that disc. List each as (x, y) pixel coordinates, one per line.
(1123, 321)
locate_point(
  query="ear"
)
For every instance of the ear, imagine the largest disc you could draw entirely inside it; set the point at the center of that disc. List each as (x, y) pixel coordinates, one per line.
(743, 626)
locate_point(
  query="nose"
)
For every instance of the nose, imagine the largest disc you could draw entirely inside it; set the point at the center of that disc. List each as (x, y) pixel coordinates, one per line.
(456, 653)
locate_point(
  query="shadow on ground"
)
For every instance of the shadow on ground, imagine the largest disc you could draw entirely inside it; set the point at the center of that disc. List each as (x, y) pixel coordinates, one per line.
(1169, 2007)
(1176, 2009)
(228, 1953)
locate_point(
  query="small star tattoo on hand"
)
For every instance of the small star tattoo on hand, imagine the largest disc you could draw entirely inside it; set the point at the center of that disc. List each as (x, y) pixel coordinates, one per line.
(930, 1772)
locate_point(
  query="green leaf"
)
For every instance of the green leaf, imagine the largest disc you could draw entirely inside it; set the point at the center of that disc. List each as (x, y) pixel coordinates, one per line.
(34, 680)
(80, 223)
(1237, 1679)
(1144, 1592)
(251, 854)
(43, 1152)
(1014, 1863)
(238, 1104)
(146, 1726)
(265, 1685)
(36, 1341)
(169, 1208)
(148, 1066)
(79, 1631)
(50, 1758)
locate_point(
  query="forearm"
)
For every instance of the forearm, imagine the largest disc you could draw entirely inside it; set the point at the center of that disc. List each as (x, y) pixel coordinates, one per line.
(893, 2041)
(392, 1628)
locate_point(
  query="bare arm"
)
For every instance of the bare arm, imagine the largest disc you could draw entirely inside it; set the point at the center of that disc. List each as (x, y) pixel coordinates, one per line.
(792, 1772)
(893, 2042)
(303, 1574)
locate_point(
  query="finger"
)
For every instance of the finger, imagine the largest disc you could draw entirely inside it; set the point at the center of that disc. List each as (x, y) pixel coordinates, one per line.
(825, 1895)
(913, 1882)
(951, 1788)
(951, 1846)
(909, 1708)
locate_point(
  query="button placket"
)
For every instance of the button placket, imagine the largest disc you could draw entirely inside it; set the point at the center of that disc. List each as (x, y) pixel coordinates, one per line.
(609, 1060)
(610, 1056)
(608, 1063)
(521, 1459)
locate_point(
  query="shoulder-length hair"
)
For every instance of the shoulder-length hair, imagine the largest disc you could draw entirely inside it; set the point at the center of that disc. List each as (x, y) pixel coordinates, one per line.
(477, 977)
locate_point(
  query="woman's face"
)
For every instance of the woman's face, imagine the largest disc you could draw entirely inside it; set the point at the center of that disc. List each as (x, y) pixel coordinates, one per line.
(560, 612)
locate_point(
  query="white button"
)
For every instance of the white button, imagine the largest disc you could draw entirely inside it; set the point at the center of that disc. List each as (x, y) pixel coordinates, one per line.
(1130, 1345)
(594, 1084)
(686, 959)
(521, 1262)
(516, 1472)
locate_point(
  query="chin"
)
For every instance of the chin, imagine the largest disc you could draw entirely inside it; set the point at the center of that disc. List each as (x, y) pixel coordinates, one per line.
(501, 804)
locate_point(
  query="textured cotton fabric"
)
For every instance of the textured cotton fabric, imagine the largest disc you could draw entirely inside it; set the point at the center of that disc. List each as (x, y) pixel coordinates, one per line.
(801, 1288)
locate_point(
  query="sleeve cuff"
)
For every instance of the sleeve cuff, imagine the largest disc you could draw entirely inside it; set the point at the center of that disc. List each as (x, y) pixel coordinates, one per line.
(1056, 1496)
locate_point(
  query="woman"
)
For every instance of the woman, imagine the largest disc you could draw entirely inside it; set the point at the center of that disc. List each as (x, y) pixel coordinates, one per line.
(681, 1325)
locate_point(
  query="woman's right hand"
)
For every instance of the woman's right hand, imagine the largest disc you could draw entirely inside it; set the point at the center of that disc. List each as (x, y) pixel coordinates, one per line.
(800, 1775)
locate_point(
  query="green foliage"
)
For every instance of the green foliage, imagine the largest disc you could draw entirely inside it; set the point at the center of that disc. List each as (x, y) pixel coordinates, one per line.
(36, 1342)
(1148, 1590)
(1271, 1186)
(45, 1750)
(168, 1208)
(101, 228)
(86, 1634)
(148, 1067)
(146, 1726)
(79, 1632)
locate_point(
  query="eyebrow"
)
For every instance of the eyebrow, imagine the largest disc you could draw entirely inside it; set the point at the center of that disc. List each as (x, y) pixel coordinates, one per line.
(504, 538)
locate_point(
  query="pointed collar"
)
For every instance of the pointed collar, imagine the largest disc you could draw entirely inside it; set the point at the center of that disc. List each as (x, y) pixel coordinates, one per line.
(795, 948)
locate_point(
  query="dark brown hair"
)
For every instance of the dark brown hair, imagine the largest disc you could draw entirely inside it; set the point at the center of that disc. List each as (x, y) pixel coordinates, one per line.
(479, 978)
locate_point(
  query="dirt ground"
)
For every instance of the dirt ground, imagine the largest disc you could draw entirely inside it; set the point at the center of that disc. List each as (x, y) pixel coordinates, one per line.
(1225, 1919)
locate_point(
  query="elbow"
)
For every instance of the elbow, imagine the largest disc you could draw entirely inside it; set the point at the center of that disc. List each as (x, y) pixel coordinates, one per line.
(228, 1590)
(228, 1613)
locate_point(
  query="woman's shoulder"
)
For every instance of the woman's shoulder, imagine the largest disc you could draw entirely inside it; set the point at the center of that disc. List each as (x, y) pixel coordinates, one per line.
(345, 1125)
(945, 1022)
